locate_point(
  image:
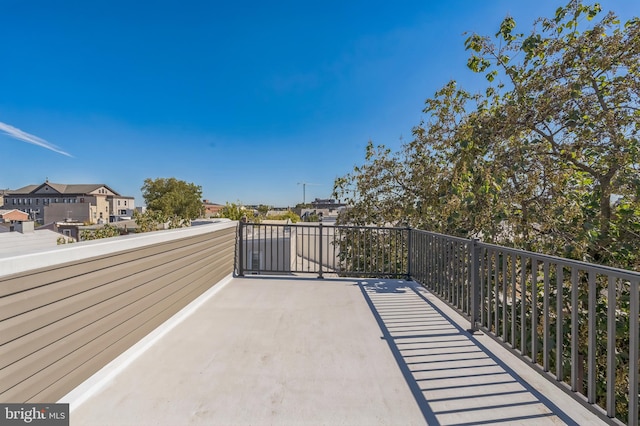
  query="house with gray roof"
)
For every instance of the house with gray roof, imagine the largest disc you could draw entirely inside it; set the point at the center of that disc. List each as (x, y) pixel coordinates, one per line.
(54, 202)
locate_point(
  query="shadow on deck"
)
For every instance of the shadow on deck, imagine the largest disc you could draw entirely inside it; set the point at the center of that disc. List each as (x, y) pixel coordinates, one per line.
(454, 377)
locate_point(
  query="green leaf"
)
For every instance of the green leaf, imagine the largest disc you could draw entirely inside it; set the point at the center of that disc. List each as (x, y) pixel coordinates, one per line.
(508, 24)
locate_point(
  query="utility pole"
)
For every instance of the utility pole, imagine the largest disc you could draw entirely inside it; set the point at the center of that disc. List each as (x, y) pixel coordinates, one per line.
(304, 190)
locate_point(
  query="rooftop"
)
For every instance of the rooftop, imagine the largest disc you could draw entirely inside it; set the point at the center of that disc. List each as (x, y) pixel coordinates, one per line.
(296, 350)
(163, 328)
(62, 188)
(15, 243)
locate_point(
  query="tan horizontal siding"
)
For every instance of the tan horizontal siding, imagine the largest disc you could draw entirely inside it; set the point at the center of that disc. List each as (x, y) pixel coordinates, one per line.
(61, 272)
(59, 325)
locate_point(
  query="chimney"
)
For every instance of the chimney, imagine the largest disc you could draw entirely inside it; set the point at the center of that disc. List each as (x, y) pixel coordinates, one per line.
(25, 227)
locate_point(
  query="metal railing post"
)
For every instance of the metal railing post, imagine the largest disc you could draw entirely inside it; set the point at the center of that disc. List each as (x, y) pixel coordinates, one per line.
(475, 285)
(240, 249)
(409, 253)
(634, 331)
(320, 247)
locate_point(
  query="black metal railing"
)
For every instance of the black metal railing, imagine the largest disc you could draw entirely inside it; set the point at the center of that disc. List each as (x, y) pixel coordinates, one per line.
(577, 323)
(320, 249)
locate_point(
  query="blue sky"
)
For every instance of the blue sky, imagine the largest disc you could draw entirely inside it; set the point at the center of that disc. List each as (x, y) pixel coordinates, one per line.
(245, 98)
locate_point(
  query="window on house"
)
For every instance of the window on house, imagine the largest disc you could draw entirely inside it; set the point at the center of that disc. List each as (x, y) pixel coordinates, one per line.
(66, 232)
(37, 201)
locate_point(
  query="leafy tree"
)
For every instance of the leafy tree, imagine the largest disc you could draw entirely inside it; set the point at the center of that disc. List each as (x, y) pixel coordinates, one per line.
(546, 158)
(105, 231)
(150, 220)
(263, 210)
(573, 106)
(236, 211)
(177, 201)
(63, 240)
(312, 217)
(377, 191)
(288, 215)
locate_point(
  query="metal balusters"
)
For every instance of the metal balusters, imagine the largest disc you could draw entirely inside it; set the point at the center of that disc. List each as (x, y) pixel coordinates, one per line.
(545, 317)
(559, 322)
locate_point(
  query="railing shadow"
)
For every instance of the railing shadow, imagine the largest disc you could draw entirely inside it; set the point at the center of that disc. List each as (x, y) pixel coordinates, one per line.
(454, 379)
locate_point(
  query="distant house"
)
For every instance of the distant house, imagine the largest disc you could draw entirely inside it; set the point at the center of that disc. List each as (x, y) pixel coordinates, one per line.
(329, 204)
(2, 193)
(12, 216)
(325, 209)
(54, 202)
(211, 209)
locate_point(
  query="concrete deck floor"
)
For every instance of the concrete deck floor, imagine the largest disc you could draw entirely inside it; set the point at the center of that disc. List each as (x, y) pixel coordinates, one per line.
(302, 351)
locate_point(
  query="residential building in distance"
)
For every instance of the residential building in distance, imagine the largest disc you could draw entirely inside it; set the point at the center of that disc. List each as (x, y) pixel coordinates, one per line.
(53, 202)
(9, 219)
(329, 204)
(12, 216)
(326, 210)
(211, 209)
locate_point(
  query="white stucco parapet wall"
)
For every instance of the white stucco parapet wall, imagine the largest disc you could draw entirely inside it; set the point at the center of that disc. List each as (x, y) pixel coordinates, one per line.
(47, 257)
